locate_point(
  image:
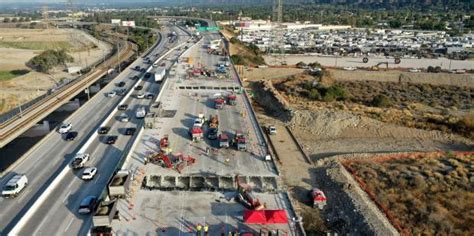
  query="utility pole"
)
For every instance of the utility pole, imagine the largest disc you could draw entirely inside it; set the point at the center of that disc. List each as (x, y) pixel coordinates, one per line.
(279, 30)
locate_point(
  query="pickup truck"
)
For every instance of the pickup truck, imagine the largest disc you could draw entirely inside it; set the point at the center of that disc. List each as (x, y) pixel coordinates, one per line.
(80, 160)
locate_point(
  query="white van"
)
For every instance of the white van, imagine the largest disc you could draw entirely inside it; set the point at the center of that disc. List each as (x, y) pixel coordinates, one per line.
(14, 186)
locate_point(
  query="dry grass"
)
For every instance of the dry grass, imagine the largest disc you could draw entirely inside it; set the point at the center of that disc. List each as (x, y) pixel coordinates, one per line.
(428, 195)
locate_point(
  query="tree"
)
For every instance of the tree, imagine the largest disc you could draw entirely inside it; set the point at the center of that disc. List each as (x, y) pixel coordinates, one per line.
(14, 20)
(48, 59)
(6, 20)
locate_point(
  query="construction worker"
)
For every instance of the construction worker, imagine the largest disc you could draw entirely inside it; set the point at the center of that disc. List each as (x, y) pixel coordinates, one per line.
(198, 229)
(206, 229)
(145, 161)
(207, 150)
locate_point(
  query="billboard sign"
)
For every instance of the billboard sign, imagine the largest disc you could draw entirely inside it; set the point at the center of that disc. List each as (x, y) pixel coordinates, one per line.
(128, 23)
(116, 21)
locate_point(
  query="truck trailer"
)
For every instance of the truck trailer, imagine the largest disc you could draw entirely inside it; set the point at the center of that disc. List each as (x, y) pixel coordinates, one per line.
(118, 186)
(160, 74)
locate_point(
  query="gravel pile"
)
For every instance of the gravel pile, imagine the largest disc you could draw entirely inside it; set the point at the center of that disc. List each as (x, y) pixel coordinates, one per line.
(325, 123)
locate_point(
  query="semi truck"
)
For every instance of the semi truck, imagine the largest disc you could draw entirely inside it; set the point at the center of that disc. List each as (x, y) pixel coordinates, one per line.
(160, 74)
(118, 186)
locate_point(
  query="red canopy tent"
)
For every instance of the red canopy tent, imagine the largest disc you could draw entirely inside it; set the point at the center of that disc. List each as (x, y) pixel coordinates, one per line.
(254, 217)
(265, 217)
(276, 217)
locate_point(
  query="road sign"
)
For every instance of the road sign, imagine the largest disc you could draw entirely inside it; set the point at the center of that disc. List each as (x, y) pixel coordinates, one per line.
(216, 28)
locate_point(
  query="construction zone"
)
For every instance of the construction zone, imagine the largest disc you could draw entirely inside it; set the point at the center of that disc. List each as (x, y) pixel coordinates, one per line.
(201, 165)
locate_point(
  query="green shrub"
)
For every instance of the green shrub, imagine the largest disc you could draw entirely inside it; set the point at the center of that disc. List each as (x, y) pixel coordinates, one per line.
(381, 101)
(335, 92)
(49, 59)
(314, 94)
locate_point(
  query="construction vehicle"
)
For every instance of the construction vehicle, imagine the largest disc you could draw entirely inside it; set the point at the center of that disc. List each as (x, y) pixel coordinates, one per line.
(377, 67)
(196, 133)
(183, 161)
(199, 121)
(177, 162)
(232, 99)
(213, 127)
(219, 103)
(240, 141)
(223, 141)
(161, 159)
(165, 144)
(318, 198)
(119, 184)
(245, 197)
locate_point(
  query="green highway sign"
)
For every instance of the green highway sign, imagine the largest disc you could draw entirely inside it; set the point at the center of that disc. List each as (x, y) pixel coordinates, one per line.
(216, 28)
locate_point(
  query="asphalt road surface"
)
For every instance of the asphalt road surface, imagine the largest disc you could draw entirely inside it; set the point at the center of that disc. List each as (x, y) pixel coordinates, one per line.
(58, 214)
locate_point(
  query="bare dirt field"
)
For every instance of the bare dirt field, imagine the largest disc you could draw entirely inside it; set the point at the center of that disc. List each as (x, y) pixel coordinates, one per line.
(327, 130)
(428, 193)
(18, 46)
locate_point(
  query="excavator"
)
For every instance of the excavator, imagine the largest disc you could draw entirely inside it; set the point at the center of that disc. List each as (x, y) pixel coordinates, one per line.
(377, 67)
(245, 196)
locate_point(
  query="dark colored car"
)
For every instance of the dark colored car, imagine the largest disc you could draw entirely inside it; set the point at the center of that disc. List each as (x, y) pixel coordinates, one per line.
(121, 92)
(143, 70)
(121, 84)
(104, 130)
(163, 64)
(137, 68)
(111, 139)
(130, 131)
(70, 136)
(123, 107)
(139, 87)
(147, 75)
(134, 77)
(149, 96)
(88, 205)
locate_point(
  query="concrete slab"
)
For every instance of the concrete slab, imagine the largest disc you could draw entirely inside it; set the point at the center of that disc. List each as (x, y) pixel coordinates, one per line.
(178, 213)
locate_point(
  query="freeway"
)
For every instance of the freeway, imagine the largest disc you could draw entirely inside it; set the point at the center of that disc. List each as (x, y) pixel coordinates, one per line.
(52, 154)
(58, 214)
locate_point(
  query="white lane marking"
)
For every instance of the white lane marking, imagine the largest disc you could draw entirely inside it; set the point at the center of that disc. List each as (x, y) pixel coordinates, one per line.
(67, 195)
(69, 225)
(96, 178)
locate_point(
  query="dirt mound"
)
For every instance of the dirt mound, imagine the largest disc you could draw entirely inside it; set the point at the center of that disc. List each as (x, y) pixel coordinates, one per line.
(324, 123)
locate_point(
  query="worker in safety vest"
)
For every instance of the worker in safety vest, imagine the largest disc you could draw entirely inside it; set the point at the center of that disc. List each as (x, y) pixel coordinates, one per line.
(206, 229)
(199, 228)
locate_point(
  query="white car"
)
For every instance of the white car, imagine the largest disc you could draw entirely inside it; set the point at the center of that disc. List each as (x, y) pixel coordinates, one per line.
(413, 70)
(111, 94)
(89, 173)
(79, 160)
(272, 129)
(140, 96)
(350, 68)
(64, 128)
(124, 118)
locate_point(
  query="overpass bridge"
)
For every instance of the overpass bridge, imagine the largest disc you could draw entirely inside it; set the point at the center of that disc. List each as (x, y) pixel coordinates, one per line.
(17, 125)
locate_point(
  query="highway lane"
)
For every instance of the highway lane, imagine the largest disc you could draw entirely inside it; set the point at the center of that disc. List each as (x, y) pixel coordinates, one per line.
(59, 212)
(44, 162)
